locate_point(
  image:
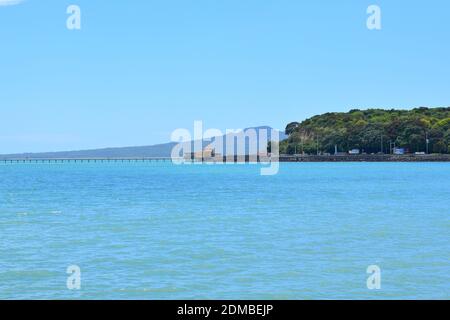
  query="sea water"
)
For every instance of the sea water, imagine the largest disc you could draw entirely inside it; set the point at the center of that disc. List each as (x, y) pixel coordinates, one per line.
(140, 230)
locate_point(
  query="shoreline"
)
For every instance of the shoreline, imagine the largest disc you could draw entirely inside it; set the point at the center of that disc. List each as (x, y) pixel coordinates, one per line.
(367, 158)
(245, 159)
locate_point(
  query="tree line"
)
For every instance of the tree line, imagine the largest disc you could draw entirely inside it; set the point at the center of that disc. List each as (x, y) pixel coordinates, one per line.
(371, 131)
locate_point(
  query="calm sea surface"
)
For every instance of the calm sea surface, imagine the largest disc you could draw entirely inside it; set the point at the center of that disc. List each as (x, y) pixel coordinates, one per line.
(160, 231)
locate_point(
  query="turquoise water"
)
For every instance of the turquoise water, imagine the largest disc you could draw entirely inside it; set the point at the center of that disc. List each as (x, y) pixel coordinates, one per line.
(160, 231)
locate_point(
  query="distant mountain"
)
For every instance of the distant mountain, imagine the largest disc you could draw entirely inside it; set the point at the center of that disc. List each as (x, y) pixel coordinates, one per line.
(159, 150)
(245, 149)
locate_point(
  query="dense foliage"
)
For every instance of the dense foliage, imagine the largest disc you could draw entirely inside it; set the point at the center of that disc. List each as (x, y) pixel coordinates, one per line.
(371, 131)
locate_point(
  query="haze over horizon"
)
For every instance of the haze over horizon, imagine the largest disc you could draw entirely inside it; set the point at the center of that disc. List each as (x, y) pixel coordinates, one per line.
(159, 149)
(133, 74)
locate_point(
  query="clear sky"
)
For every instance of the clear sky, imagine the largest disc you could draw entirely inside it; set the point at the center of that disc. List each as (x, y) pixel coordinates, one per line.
(137, 70)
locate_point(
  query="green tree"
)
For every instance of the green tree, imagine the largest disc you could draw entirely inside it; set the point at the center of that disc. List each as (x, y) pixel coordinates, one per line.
(367, 129)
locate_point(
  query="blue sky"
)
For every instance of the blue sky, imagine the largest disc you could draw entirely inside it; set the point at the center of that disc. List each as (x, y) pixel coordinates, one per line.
(137, 70)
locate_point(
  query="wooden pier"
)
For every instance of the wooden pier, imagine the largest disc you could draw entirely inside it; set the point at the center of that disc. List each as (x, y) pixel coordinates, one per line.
(84, 160)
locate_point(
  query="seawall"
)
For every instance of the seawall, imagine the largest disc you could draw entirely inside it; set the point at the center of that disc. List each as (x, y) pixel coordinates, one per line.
(367, 158)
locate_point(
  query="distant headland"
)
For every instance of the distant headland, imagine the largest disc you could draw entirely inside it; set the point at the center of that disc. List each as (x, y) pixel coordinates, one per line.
(374, 131)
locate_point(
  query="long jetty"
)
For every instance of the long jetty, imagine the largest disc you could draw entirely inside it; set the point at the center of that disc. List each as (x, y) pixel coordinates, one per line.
(82, 160)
